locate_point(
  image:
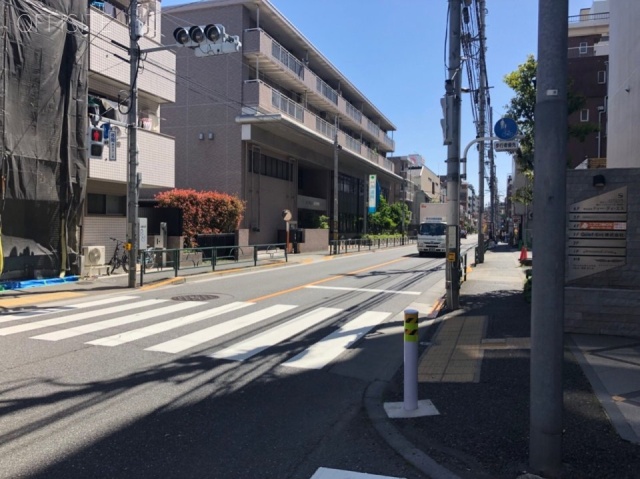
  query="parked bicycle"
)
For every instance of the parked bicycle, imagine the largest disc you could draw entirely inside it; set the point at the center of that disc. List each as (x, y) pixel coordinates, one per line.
(119, 259)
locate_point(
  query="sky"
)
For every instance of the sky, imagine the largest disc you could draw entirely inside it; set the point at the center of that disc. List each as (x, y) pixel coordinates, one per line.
(394, 52)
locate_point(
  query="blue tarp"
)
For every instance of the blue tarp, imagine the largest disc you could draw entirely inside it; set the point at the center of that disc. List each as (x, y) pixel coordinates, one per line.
(34, 283)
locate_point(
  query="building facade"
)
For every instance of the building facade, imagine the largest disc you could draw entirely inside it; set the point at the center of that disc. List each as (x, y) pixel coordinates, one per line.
(270, 123)
(624, 87)
(588, 63)
(109, 89)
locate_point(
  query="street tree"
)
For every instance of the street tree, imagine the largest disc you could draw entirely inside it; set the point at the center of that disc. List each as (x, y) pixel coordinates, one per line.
(522, 109)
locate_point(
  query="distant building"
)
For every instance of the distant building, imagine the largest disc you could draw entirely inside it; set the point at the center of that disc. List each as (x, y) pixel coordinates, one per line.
(262, 123)
(588, 71)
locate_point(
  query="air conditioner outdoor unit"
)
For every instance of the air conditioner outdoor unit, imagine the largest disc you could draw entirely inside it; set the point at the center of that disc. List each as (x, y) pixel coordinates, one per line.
(93, 255)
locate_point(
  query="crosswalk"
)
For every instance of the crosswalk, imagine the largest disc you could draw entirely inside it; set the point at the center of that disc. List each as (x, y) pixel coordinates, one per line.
(235, 331)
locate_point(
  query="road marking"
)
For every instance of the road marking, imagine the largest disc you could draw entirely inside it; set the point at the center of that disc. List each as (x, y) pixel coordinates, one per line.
(256, 344)
(324, 280)
(331, 346)
(121, 321)
(76, 317)
(153, 329)
(199, 337)
(365, 290)
(39, 298)
(327, 473)
(28, 314)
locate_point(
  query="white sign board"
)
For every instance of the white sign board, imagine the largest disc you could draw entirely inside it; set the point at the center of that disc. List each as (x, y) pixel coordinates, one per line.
(510, 145)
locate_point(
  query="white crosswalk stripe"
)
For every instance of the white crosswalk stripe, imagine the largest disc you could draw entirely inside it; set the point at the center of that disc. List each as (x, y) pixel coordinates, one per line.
(162, 327)
(205, 335)
(237, 340)
(120, 321)
(252, 346)
(329, 348)
(27, 314)
(20, 328)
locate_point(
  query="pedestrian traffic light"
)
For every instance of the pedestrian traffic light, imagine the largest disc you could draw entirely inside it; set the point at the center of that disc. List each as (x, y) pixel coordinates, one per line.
(96, 144)
(207, 40)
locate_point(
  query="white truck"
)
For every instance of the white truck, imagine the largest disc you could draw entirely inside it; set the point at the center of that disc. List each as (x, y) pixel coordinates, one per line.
(432, 231)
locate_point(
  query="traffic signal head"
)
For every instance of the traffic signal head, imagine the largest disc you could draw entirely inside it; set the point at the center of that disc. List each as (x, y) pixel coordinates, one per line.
(96, 144)
(207, 40)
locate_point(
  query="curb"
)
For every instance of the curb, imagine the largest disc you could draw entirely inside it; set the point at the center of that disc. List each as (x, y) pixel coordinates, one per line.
(384, 427)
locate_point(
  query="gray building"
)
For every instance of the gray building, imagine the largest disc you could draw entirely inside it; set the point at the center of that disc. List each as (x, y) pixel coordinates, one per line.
(261, 123)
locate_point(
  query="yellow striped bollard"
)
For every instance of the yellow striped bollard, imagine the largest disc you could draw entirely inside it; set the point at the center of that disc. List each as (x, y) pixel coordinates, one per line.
(410, 359)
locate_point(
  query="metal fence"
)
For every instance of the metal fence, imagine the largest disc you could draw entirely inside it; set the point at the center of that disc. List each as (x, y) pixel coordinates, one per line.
(172, 261)
(355, 245)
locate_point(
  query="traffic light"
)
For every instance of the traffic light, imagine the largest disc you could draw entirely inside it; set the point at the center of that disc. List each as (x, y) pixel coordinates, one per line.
(207, 40)
(96, 143)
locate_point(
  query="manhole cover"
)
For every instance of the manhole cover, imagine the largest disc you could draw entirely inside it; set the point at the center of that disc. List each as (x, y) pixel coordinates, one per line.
(195, 297)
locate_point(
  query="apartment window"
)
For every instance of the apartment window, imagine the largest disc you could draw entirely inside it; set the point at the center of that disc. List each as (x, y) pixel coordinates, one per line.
(602, 76)
(270, 166)
(109, 205)
(584, 115)
(583, 48)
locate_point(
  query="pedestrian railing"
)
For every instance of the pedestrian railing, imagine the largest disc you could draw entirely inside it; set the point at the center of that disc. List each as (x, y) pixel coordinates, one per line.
(355, 245)
(172, 261)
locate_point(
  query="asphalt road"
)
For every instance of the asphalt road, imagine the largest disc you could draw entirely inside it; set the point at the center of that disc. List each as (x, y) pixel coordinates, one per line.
(258, 374)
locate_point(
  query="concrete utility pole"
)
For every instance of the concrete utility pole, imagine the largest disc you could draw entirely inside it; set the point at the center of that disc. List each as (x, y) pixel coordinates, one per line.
(549, 210)
(133, 183)
(453, 89)
(493, 184)
(335, 187)
(482, 127)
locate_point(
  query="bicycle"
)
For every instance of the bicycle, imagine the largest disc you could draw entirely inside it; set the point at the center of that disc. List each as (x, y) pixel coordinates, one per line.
(118, 260)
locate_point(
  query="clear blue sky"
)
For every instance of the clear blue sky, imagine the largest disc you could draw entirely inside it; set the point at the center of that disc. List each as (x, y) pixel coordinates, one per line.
(393, 51)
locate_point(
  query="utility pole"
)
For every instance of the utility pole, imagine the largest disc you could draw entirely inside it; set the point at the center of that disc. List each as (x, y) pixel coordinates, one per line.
(482, 127)
(452, 90)
(133, 183)
(335, 187)
(493, 185)
(549, 210)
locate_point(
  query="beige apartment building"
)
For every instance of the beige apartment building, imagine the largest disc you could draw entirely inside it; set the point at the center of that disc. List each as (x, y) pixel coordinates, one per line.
(261, 123)
(109, 74)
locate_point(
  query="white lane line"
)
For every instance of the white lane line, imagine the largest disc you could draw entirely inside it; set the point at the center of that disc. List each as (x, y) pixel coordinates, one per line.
(331, 346)
(327, 473)
(199, 337)
(112, 323)
(250, 347)
(365, 290)
(28, 314)
(76, 317)
(152, 329)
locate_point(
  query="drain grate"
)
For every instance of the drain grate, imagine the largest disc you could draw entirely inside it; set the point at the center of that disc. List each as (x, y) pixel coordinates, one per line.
(195, 297)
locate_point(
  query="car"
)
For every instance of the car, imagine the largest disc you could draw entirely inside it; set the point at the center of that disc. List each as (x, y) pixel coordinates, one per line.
(463, 233)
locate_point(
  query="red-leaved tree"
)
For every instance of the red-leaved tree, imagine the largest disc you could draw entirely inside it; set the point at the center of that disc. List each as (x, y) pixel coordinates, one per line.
(203, 212)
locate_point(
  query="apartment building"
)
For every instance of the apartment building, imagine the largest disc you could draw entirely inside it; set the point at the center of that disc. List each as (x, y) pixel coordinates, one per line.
(270, 123)
(588, 64)
(109, 88)
(420, 185)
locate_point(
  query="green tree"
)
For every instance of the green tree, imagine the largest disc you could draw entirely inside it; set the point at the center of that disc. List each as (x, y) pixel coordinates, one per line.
(388, 218)
(522, 109)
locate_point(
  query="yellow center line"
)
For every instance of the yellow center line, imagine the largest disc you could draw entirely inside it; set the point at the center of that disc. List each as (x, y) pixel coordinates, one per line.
(324, 280)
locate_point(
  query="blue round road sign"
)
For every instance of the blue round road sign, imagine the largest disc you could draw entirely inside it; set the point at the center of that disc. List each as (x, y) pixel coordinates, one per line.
(505, 128)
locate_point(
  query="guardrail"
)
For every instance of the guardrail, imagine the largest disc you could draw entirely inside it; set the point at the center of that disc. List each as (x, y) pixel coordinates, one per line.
(355, 245)
(154, 261)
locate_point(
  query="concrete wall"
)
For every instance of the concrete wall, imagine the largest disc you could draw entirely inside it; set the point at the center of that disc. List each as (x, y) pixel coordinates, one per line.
(607, 302)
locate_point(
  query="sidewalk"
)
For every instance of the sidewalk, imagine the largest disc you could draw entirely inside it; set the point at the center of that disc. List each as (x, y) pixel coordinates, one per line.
(474, 367)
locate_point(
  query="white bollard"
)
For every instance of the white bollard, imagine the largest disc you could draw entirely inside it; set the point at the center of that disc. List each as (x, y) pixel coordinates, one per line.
(410, 359)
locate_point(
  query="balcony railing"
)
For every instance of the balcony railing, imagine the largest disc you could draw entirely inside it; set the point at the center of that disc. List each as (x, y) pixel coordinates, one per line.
(287, 105)
(325, 128)
(373, 128)
(287, 59)
(353, 144)
(326, 90)
(590, 17)
(354, 113)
